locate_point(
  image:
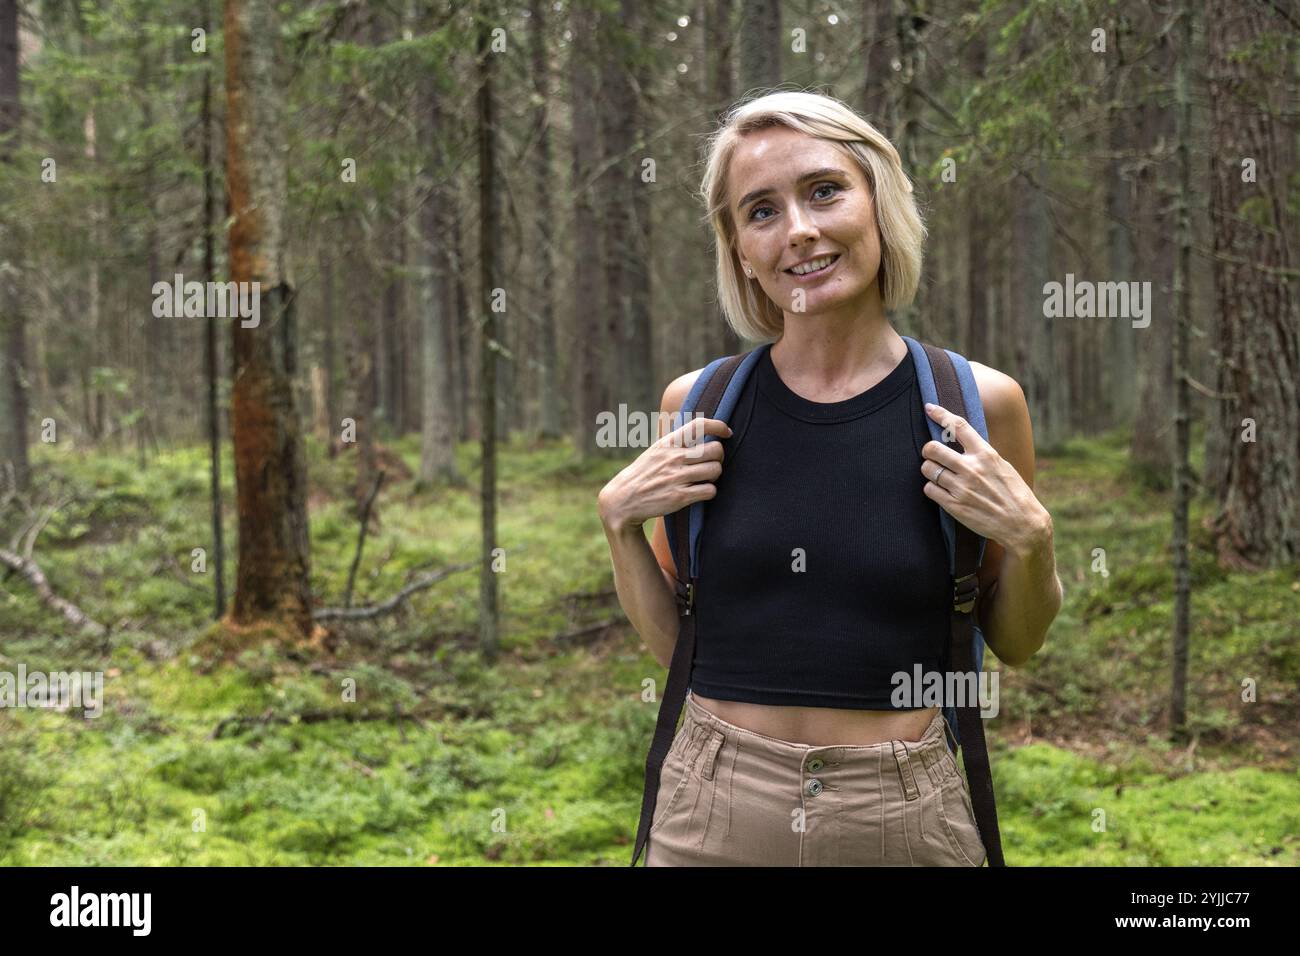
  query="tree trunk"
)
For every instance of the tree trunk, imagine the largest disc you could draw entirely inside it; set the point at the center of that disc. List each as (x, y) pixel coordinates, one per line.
(879, 40)
(1119, 389)
(1152, 449)
(586, 284)
(437, 426)
(1182, 396)
(461, 321)
(1032, 336)
(545, 354)
(211, 339)
(638, 234)
(719, 38)
(330, 409)
(1256, 524)
(610, 256)
(272, 583)
(761, 45)
(361, 370)
(14, 467)
(490, 219)
(979, 284)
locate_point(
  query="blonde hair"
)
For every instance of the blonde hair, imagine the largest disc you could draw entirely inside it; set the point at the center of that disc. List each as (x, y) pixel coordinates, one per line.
(902, 233)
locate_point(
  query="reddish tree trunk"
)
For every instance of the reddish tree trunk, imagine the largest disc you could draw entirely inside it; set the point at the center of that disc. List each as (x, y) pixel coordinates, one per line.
(272, 582)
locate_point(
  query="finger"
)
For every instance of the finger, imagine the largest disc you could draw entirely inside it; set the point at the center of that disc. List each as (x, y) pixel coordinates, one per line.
(703, 491)
(703, 471)
(704, 451)
(940, 494)
(962, 430)
(699, 431)
(941, 454)
(931, 471)
(697, 428)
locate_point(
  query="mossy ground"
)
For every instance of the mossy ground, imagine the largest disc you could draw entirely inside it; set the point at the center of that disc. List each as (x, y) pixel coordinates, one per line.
(538, 758)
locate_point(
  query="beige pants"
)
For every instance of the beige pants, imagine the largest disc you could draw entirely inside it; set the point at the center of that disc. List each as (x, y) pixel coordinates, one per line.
(732, 797)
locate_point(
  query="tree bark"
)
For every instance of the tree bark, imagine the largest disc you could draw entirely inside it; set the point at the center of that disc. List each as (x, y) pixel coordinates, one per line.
(1120, 376)
(211, 340)
(15, 469)
(1182, 397)
(545, 354)
(1152, 448)
(586, 282)
(979, 281)
(761, 45)
(437, 427)
(1256, 524)
(490, 219)
(272, 583)
(719, 38)
(879, 41)
(614, 211)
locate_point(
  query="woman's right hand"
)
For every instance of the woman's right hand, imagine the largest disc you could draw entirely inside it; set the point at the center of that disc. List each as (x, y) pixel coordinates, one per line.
(677, 470)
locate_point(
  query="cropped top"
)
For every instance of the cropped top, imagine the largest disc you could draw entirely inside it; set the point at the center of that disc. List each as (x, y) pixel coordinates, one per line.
(822, 563)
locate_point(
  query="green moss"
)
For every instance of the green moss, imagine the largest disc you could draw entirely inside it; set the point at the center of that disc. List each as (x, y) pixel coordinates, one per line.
(539, 758)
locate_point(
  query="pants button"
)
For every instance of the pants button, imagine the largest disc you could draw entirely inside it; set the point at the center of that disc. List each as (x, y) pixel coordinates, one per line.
(814, 786)
(815, 764)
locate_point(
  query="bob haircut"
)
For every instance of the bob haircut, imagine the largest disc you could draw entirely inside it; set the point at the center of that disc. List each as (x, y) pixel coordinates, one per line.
(902, 233)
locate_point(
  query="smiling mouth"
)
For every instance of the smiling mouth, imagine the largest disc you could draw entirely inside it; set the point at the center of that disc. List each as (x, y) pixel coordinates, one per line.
(812, 275)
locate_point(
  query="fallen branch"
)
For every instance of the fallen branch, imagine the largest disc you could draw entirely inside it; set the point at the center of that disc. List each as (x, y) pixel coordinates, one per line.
(393, 603)
(32, 572)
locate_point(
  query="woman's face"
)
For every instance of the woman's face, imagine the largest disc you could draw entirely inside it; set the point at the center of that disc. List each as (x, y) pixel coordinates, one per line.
(795, 197)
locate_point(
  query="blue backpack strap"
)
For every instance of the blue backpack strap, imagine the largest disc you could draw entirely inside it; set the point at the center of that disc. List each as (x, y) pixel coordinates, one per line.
(975, 415)
(945, 373)
(714, 394)
(726, 405)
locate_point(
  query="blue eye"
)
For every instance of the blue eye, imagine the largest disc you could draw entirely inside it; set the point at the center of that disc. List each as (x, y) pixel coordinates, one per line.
(820, 186)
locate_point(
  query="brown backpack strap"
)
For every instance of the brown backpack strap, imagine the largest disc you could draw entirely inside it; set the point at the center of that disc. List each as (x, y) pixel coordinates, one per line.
(962, 653)
(679, 670)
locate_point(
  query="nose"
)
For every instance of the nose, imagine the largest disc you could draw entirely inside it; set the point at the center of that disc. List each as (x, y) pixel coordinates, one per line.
(802, 227)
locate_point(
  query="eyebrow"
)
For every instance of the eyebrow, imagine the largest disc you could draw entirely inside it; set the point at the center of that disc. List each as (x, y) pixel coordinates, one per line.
(815, 174)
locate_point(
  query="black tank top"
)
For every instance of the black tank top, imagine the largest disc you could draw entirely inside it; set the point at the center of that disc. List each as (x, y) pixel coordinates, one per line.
(833, 488)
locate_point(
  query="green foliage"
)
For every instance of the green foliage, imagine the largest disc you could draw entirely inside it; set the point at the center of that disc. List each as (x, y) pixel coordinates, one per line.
(23, 783)
(539, 758)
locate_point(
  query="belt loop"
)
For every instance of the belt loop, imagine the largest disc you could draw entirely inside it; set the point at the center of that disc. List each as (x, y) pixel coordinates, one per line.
(903, 759)
(711, 754)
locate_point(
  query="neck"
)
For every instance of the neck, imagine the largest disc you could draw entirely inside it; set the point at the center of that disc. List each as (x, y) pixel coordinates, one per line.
(841, 348)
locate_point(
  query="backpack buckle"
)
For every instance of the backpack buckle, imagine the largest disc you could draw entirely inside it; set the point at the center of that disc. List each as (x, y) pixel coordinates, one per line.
(965, 590)
(685, 596)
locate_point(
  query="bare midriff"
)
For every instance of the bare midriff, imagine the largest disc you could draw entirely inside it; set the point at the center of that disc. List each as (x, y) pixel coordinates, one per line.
(821, 726)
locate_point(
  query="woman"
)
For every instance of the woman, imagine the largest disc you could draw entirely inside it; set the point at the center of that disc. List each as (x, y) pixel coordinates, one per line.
(823, 572)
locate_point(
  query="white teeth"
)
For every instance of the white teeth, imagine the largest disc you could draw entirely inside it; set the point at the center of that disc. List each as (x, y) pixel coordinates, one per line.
(813, 266)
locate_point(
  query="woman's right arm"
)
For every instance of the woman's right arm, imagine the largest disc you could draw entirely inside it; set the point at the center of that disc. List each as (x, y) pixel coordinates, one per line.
(664, 478)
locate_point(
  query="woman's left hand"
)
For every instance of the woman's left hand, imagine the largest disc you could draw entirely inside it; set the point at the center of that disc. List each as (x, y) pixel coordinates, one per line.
(980, 488)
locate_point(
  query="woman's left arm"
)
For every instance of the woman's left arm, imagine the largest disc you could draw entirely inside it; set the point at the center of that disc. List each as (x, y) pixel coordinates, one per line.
(989, 489)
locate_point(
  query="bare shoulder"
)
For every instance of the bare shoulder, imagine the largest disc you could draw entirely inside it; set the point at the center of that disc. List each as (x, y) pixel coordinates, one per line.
(675, 395)
(1000, 394)
(1007, 415)
(677, 390)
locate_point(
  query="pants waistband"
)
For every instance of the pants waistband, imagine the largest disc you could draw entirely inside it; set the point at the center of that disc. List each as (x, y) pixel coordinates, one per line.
(930, 749)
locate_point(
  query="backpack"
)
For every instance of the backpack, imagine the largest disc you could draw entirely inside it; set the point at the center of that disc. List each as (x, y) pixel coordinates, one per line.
(946, 379)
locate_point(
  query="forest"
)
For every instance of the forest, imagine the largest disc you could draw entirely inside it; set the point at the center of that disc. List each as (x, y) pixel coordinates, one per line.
(311, 312)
